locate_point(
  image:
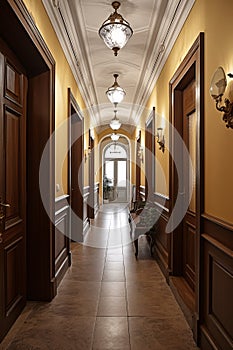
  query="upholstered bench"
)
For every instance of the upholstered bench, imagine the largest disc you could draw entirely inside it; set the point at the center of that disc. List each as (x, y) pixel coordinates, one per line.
(143, 221)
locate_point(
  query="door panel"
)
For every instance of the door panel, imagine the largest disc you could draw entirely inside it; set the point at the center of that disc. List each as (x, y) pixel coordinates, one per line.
(76, 173)
(13, 87)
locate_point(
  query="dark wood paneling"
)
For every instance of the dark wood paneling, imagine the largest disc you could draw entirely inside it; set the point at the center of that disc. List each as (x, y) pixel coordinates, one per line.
(13, 87)
(12, 189)
(40, 242)
(163, 239)
(62, 240)
(217, 285)
(14, 284)
(191, 68)
(17, 38)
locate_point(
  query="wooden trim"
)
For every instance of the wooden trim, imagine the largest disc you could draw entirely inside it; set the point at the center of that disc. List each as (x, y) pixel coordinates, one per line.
(218, 230)
(40, 67)
(150, 155)
(191, 67)
(214, 242)
(217, 274)
(29, 24)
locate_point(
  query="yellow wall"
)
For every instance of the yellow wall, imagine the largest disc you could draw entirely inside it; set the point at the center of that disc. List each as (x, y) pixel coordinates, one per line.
(63, 80)
(215, 20)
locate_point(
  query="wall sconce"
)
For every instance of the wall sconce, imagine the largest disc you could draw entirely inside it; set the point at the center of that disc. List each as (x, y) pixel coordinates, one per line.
(217, 88)
(87, 153)
(160, 139)
(140, 154)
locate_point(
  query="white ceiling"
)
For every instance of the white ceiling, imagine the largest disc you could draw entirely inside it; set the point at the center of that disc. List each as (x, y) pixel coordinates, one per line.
(156, 25)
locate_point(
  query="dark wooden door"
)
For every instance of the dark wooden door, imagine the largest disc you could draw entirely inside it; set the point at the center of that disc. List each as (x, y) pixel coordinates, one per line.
(138, 167)
(76, 171)
(91, 198)
(13, 90)
(189, 221)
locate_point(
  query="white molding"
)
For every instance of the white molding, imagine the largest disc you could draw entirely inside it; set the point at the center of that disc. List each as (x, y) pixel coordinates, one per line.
(70, 47)
(72, 37)
(174, 18)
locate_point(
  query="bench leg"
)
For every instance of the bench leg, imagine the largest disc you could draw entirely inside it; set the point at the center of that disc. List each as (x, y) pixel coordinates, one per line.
(136, 247)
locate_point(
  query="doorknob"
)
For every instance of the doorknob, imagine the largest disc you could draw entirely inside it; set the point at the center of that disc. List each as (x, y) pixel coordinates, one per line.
(6, 205)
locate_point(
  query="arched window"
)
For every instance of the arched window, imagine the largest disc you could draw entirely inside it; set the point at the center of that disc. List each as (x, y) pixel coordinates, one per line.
(115, 151)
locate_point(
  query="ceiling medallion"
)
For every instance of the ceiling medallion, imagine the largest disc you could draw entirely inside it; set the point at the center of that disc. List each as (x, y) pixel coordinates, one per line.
(115, 31)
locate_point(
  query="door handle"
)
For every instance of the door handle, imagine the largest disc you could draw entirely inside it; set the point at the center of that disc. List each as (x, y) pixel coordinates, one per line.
(1, 239)
(6, 205)
(2, 217)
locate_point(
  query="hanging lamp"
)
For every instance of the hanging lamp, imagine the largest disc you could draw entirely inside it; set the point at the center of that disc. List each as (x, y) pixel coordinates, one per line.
(115, 31)
(115, 93)
(115, 123)
(115, 137)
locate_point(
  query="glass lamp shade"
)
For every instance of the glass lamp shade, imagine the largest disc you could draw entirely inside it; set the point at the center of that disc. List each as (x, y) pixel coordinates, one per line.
(115, 124)
(218, 83)
(115, 93)
(115, 137)
(115, 31)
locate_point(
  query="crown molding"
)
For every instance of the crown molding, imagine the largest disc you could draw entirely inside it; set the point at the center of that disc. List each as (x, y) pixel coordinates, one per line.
(72, 44)
(173, 20)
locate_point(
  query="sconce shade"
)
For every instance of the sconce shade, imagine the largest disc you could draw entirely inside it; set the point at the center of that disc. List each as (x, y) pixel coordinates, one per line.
(115, 31)
(218, 83)
(115, 123)
(115, 137)
(115, 93)
(160, 139)
(217, 89)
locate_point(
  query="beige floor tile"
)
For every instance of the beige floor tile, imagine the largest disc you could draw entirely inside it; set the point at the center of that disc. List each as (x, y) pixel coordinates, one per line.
(148, 333)
(112, 289)
(60, 332)
(112, 306)
(99, 291)
(113, 275)
(111, 333)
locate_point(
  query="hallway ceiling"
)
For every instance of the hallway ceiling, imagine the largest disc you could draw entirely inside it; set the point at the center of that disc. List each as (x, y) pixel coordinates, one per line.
(156, 25)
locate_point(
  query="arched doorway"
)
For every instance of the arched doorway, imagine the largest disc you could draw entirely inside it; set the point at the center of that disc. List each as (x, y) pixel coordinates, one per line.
(115, 173)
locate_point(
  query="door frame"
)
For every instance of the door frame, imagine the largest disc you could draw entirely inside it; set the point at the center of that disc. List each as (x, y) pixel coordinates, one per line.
(191, 67)
(91, 176)
(127, 150)
(40, 69)
(73, 107)
(150, 155)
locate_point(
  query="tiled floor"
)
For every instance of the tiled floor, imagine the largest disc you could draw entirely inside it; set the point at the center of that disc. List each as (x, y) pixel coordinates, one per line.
(107, 300)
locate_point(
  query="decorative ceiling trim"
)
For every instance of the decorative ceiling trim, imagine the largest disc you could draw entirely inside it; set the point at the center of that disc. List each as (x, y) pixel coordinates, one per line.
(165, 28)
(60, 15)
(173, 20)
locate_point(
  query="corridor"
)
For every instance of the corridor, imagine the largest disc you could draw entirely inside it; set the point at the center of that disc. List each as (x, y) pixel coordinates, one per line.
(107, 299)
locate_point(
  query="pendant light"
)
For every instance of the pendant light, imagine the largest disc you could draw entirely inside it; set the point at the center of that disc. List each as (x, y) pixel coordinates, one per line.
(115, 123)
(115, 93)
(115, 31)
(115, 137)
